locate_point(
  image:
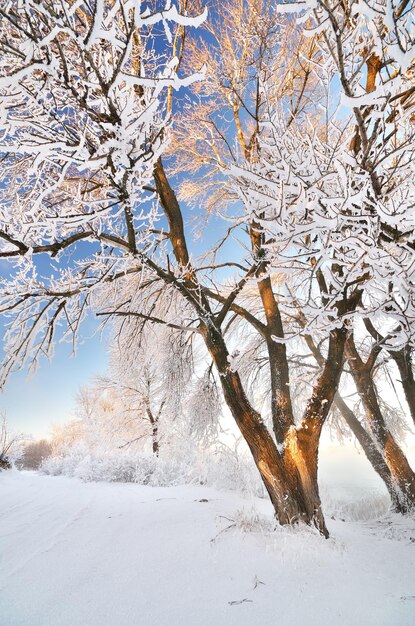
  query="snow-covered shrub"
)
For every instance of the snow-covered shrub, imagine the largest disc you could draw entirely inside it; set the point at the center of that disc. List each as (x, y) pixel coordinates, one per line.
(122, 467)
(34, 453)
(222, 467)
(64, 464)
(230, 469)
(11, 445)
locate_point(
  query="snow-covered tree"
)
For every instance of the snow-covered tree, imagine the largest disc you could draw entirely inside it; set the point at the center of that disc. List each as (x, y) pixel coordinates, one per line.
(86, 121)
(33, 454)
(11, 445)
(150, 372)
(85, 116)
(317, 216)
(358, 178)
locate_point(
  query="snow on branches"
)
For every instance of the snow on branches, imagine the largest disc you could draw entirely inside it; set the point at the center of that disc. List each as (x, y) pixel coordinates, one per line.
(84, 118)
(334, 192)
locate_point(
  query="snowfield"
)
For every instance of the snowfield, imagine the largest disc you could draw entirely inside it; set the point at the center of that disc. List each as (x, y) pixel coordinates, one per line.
(90, 554)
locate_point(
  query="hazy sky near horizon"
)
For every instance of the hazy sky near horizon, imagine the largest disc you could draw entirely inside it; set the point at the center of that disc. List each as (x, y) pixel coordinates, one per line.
(32, 402)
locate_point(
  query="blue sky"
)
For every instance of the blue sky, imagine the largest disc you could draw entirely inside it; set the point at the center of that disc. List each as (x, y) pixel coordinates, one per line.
(33, 402)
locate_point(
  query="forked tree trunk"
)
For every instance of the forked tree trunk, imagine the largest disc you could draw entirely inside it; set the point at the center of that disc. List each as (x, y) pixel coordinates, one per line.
(290, 482)
(302, 442)
(290, 488)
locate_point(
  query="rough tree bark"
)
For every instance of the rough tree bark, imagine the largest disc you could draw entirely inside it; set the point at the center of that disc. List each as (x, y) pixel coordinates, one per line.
(302, 442)
(299, 444)
(402, 475)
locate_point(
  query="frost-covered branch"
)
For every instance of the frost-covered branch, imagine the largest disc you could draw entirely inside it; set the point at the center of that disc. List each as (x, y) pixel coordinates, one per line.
(85, 118)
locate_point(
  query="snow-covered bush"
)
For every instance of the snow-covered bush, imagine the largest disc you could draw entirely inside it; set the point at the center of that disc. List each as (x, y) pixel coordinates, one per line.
(122, 467)
(33, 454)
(231, 469)
(221, 467)
(11, 445)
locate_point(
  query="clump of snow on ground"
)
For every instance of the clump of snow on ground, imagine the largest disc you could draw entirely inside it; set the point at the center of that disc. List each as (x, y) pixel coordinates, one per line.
(99, 554)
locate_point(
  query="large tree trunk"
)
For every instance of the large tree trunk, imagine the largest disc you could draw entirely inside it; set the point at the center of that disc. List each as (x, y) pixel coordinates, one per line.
(299, 445)
(368, 444)
(292, 488)
(402, 475)
(302, 442)
(288, 485)
(301, 460)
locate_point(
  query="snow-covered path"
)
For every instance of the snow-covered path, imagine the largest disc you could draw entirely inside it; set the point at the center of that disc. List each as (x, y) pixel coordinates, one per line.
(119, 555)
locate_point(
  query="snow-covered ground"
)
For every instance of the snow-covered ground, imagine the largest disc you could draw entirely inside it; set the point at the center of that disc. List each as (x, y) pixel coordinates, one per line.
(89, 554)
